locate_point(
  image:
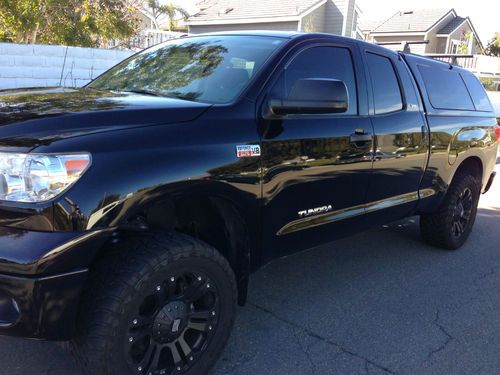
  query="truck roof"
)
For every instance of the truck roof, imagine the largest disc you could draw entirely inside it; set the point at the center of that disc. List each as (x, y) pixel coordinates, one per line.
(296, 34)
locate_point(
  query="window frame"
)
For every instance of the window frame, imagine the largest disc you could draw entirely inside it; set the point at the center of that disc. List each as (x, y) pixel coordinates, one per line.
(372, 109)
(278, 74)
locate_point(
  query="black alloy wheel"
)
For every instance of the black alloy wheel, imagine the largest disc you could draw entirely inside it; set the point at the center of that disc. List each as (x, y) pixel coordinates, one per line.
(462, 214)
(174, 325)
(156, 304)
(451, 224)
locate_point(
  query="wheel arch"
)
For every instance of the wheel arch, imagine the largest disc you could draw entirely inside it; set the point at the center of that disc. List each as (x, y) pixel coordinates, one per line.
(227, 222)
(472, 165)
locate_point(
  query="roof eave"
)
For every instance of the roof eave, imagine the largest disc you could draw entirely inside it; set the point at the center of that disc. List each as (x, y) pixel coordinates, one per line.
(236, 21)
(395, 33)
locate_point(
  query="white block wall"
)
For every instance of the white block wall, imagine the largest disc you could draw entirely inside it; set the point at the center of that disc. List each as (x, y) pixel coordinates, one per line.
(28, 65)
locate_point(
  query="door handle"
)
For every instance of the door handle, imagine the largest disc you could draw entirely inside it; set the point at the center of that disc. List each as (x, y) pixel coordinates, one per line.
(360, 135)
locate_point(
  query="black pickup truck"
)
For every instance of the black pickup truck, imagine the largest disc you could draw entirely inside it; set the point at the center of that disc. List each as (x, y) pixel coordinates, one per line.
(133, 210)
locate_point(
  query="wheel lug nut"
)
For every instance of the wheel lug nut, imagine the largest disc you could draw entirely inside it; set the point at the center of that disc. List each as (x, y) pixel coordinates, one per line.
(130, 339)
(208, 285)
(158, 288)
(191, 358)
(209, 328)
(135, 321)
(172, 279)
(139, 368)
(213, 313)
(178, 368)
(199, 278)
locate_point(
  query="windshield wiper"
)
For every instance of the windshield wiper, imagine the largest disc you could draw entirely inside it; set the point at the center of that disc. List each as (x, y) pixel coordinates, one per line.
(144, 92)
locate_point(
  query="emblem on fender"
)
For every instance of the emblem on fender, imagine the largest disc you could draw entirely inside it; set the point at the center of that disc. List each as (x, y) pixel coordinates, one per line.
(315, 211)
(245, 151)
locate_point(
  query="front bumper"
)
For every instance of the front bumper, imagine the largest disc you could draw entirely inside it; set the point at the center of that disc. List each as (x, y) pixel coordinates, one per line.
(44, 307)
(42, 275)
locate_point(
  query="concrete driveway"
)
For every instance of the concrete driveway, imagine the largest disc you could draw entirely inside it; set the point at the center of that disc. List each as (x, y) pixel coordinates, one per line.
(379, 302)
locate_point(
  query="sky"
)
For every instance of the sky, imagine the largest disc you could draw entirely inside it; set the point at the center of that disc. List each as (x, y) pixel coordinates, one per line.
(484, 14)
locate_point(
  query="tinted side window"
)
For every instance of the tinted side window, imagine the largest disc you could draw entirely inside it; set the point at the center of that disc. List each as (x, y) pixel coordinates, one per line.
(386, 90)
(445, 88)
(321, 62)
(477, 92)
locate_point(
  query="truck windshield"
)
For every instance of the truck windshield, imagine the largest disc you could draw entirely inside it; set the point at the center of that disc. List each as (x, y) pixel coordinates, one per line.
(212, 69)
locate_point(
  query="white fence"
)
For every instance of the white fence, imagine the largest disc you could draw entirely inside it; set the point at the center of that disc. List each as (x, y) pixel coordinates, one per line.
(150, 37)
(28, 65)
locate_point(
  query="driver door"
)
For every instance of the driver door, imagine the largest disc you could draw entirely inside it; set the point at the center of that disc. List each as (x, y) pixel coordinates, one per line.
(316, 167)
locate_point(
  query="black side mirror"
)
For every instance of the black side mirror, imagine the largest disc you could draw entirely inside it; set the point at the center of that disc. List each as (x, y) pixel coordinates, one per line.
(312, 96)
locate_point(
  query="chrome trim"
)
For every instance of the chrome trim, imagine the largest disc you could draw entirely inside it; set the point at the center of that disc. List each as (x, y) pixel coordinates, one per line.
(350, 212)
(64, 274)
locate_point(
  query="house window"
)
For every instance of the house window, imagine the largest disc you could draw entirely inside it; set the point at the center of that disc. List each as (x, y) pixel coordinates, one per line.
(454, 46)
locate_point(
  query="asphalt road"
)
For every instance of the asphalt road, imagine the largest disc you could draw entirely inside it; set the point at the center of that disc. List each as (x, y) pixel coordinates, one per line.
(379, 302)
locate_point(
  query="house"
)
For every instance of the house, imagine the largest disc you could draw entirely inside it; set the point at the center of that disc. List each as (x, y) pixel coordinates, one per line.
(331, 16)
(445, 31)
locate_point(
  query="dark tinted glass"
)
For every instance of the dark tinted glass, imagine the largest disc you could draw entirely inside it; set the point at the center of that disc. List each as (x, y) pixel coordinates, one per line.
(212, 69)
(445, 88)
(321, 62)
(477, 92)
(386, 90)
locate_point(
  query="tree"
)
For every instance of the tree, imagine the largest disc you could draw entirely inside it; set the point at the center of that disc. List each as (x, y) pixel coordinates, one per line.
(87, 23)
(171, 11)
(493, 48)
(463, 48)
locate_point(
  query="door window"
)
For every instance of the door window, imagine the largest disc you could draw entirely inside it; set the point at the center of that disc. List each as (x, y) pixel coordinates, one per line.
(386, 91)
(321, 62)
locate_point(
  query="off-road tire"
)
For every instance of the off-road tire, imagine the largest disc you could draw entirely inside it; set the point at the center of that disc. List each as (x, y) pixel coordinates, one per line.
(436, 228)
(122, 276)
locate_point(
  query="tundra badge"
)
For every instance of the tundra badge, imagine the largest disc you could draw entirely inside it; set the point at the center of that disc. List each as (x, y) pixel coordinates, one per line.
(315, 211)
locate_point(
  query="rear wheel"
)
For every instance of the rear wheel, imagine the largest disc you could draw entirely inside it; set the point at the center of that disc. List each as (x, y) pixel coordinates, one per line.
(452, 224)
(162, 305)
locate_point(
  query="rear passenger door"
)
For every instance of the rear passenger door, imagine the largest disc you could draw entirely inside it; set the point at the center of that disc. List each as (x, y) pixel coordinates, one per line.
(401, 137)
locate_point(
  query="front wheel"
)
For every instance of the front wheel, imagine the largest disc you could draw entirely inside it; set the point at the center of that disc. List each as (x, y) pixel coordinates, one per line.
(161, 305)
(452, 224)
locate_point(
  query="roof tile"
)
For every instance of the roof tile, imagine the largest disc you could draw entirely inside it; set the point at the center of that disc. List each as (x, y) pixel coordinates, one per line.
(412, 21)
(220, 10)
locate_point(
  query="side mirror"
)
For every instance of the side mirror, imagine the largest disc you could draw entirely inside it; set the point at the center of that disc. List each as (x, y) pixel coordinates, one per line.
(312, 96)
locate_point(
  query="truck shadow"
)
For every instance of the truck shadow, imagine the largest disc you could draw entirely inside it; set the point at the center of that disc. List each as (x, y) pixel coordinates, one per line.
(362, 294)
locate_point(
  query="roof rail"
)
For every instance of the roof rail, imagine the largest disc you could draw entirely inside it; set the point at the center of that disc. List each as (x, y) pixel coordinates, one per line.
(450, 58)
(405, 44)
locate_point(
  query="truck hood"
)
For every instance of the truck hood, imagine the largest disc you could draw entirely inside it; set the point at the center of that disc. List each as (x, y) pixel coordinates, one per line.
(32, 117)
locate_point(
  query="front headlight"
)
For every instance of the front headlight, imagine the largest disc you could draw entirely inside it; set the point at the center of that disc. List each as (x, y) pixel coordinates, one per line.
(38, 177)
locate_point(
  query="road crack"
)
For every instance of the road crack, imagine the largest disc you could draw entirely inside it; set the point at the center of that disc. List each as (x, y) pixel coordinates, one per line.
(443, 330)
(326, 340)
